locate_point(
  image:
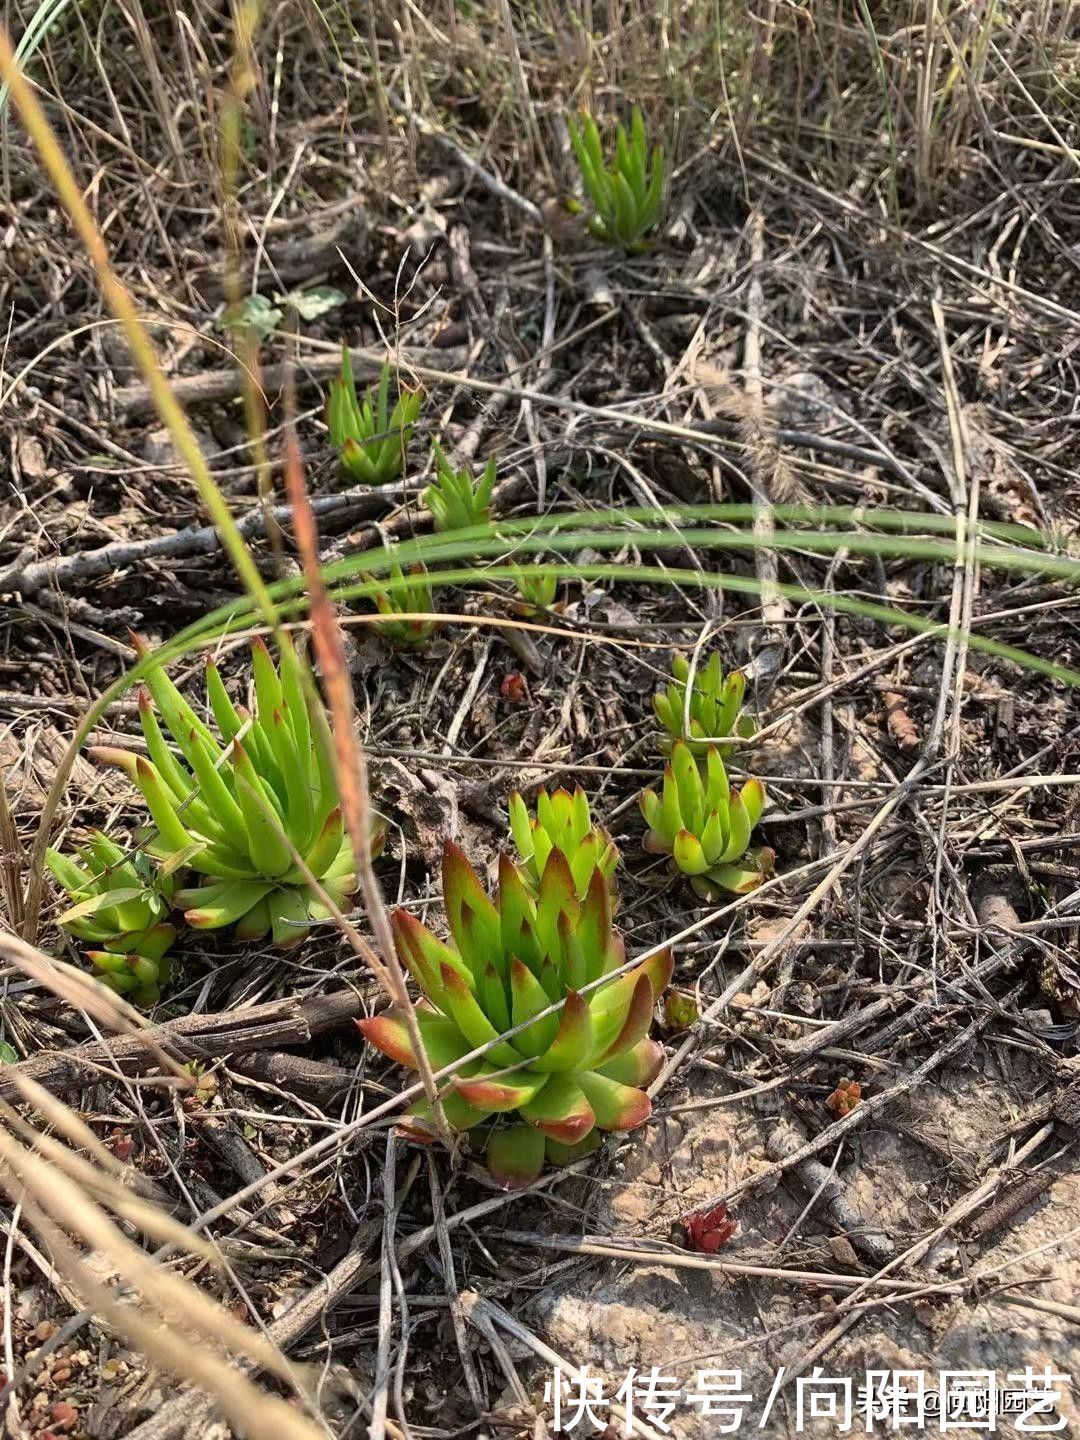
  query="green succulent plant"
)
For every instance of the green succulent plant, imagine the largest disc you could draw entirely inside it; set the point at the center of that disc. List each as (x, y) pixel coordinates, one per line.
(232, 811)
(370, 437)
(537, 591)
(715, 705)
(120, 905)
(454, 499)
(705, 825)
(414, 598)
(628, 194)
(562, 822)
(565, 1075)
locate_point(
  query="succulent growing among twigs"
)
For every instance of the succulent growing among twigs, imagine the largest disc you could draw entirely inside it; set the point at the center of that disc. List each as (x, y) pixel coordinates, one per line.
(413, 599)
(454, 499)
(628, 194)
(121, 907)
(370, 437)
(536, 590)
(715, 705)
(562, 822)
(704, 824)
(565, 1074)
(257, 814)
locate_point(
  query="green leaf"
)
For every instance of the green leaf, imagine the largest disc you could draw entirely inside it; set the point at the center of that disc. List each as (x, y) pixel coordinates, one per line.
(255, 314)
(319, 300)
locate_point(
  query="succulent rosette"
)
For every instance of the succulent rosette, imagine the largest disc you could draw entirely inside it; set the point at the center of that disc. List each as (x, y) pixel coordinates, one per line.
(455, 500)
(243, 808)
(370, 437)
(412, 598)
(120, 907)
(705, 824)
(566, 1074)
(628, 193)
(562, 822)
(715, 707)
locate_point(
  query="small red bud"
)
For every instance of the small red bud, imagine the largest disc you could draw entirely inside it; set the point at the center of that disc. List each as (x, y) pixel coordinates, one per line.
(514, 687)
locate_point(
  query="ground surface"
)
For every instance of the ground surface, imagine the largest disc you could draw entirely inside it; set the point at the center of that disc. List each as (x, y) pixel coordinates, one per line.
(921, 935)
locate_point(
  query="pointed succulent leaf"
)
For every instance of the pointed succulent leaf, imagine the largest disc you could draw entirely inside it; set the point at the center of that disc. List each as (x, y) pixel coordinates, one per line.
(635, 1024)
(616, 1107)
(424, 955)
(461, 887)
(574, 1039)
(753, 798)
(561, 1110)
(520, 826)
(738, 829)
(491, 993)
(594, 926)
(388, 1032)
(160, 803)
(689, 855)
(465, 1011)
(717, 785)
(499, 1094)
(529, 999)
(637, 1067)
(218, 906)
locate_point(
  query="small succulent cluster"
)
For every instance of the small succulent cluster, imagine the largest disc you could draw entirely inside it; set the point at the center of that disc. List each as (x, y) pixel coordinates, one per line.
(713, 705)
(627, 194)
(845, 1098)
(532, 958)
(370, 437)
(455, 500)
(705, 824)
(412, 598)
(698, 817)
(121, 907)
(562, 822)
(537, 591)
(254, 813)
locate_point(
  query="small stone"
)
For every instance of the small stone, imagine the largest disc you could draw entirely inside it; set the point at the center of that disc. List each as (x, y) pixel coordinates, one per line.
(61, 1374)
(63, 1414)
(842, 1251)
(45, 1330)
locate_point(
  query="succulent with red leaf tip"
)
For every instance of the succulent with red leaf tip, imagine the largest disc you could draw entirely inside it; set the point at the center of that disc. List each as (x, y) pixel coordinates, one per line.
(714, 706)
(566, 1074)
(410, 596)
(562, 822)
(705, 825)
(237, 811)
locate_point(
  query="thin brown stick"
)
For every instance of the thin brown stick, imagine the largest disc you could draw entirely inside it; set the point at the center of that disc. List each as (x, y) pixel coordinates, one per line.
(352, 764)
